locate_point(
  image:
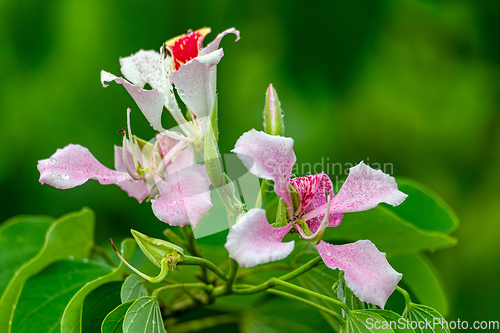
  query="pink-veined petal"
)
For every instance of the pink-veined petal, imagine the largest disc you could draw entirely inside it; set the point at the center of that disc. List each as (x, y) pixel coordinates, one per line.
(150, 102)
(269, 157)
(253, 241)
(184, 198)
(137, 189)
(214, 45)
(195, 82)
(311, 190)
(182, 160)
(366, 270)
(363, 189)
(73, 165)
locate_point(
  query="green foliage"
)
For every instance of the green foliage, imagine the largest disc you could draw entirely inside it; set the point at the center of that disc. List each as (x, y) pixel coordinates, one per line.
(133, 288)
(71, 320)
(46, 295)
(279, 315)
(401, 229)
(113, 323)
(98, 304)
(422, 279)
(21, 238)
(60, 243)
(144, 316)
(425, 209)
(393, 319)
(424, 314)
(359, 321)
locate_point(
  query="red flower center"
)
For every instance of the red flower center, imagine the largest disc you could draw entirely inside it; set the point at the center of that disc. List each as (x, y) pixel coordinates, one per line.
(186, 46)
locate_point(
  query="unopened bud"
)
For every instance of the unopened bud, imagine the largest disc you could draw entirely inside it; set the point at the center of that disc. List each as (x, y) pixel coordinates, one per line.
(273, 115)
(156, 250)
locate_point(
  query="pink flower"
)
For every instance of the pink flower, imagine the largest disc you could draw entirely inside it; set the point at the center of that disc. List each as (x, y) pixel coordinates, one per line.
(252, 240)
(164, 170)
(190, 67)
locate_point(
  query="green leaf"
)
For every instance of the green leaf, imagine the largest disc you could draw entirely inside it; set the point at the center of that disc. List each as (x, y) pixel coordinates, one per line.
(363, 321)
(420, 276)
(21, 238)
(420, 316)
(98, 304)
(425, 209)
(396, 322)
(70, 236)
(282, 315)
(45, 295)
(144, 316)
(320, 280)
(389, 232)
(113, 323)
(71, 320)
(133, 288)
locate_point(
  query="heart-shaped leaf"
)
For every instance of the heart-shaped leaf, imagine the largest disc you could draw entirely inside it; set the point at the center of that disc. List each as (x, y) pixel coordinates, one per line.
(144, 316)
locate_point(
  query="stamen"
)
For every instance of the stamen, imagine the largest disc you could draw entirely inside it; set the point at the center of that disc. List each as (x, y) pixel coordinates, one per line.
(132, 174)
(316, 237)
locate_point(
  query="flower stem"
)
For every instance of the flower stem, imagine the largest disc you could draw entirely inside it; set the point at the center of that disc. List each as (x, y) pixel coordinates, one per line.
(204, 264)
(405, 294)
(173, 237)
(312, 293)
(193, 249)
(201, 285)
(272, 282)
(260, 269)
(308, 302)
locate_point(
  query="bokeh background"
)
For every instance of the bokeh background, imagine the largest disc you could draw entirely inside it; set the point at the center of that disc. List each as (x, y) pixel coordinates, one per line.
(407, 82)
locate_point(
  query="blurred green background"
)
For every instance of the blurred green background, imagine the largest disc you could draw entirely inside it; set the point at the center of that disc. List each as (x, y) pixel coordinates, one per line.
(412, 83)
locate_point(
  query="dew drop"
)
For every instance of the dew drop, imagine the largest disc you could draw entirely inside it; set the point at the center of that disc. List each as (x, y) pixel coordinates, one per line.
(52, 160)
(71, 258)
(65, 176)
(85, 261)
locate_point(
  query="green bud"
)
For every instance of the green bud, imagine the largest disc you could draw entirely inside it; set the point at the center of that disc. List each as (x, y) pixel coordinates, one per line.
(156, 250)
(273, 115)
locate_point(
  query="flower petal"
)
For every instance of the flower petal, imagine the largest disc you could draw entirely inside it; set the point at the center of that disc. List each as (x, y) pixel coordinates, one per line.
(311, 190)
(214, 45)
(184, 197)
(150, 102)
(74, 165)
(363, 189)
(195, 82)
(135, 189)
(367, 272)
(145, 67)
(253, 241)
(269, 157)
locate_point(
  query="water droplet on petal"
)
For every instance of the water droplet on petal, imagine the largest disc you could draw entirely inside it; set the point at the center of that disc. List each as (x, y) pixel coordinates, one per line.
(52, 160)
(65, 177)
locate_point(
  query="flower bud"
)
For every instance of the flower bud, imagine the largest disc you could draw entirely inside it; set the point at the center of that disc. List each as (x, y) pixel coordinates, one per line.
(157, 249)
(273, 115)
